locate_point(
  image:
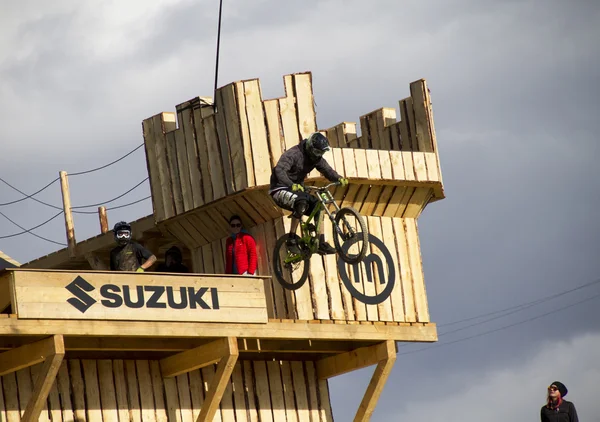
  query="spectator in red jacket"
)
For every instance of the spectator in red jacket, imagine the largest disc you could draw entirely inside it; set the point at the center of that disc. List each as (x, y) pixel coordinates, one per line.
(240, 255)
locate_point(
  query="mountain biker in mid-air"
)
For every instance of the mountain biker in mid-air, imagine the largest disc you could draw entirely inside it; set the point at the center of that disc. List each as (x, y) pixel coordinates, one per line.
(287, 183)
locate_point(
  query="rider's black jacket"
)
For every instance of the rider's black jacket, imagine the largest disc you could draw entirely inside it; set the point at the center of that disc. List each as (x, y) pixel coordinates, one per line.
(295, 164)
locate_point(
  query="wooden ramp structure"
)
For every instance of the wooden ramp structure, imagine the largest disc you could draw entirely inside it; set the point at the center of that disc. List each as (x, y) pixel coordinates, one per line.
(80, 343)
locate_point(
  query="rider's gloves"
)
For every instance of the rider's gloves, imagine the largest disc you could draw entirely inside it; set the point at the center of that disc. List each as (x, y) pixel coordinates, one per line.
(297, 187)
(343, 181)
(139, 270)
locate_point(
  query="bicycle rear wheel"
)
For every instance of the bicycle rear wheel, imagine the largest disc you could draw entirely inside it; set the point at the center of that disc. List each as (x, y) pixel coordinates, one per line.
(288, 265)
(353, 243)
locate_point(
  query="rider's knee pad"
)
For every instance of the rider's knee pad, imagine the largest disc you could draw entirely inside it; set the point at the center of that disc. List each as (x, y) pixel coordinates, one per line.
(300, 207)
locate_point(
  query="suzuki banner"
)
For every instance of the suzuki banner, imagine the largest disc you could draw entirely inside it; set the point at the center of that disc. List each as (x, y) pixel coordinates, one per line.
(138, 296)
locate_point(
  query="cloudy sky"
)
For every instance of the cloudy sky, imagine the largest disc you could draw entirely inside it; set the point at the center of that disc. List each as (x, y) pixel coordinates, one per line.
(516, 102)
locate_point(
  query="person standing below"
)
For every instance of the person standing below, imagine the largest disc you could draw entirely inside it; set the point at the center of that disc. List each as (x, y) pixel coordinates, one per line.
(129, 255)
(240, 249)
(173, 262)
(557, 409)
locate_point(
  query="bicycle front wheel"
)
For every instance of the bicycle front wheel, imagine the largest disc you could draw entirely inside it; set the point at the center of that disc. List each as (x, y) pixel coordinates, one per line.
(350, 235)
(291, 269)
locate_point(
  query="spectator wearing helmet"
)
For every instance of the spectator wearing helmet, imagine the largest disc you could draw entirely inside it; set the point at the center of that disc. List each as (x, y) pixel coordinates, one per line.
(240, 249)
(129, 255)
(173, 262)
(557, 409)
(287, 182)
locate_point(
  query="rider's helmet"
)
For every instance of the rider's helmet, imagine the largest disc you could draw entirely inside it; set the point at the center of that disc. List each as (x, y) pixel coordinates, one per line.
(317, 145)
(122, 232)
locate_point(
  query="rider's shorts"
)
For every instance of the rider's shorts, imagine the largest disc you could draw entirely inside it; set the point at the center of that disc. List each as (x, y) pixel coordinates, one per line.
(286, 199)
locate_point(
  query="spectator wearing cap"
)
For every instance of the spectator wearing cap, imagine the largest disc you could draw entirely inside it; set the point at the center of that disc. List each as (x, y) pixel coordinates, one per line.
(173, 262)
(557, 409)
(240, 249)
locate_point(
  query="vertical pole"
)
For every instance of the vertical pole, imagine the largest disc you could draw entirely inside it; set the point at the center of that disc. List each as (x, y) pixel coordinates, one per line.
(66, 197)
(103, 219)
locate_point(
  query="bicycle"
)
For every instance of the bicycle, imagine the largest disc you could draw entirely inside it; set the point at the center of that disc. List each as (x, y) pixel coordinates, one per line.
(308, 243)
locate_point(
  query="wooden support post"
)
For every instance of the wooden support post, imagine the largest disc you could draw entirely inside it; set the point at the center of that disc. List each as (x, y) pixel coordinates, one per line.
(66, 197)
(224, 352)
(103, 220)
(205, 355)
(217, 386)
(384, 354)
(50, 351)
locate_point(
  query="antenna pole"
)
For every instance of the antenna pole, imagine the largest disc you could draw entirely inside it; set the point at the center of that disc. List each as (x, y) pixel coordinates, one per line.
(217, 59)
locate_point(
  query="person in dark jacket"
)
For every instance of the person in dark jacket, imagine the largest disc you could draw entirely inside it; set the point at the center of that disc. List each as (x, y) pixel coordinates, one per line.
(240, 250)
(287, 182)
(173, 262)
(557, 409)
(129, 255)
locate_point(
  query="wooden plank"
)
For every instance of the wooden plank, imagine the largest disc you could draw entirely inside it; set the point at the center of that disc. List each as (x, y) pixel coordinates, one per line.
(122, 405)
(223, 142)
(299, 381)
(185, 116)
(291, 413)
(262, 256)
(64, 392)
(234, 135)
(384, 309)
(238, 393)
(278, 293)
(203, 160)
(92, 390)
(227, 405)
(375, 387)
(197, 358)
(368, 284)
(258, 133)
(158, 201)
(108, 396)
(185, 401)
(374, 172)
(174, 182)
(419, 166)
(407, 130)
(350, 134)
(146, 392)
(420, 101)
(214, 157)
(326, 412)
(274, 130)
(172, 400)
(289, 123)
(265, 408)
(396, 297)
(406, 276)
(2, 405)
(416, 204)
(133, 394)
(196, 391)
(245, 133)
(414, 255)
(78, 389)
(432, 167)
(158, 390)
(305, 104)
(334, 286)
(183, 168)
(318, 285)
(24, 387)
(11, 397)
(313, 393)
(250, 391)
(353, 360)
(408, 166)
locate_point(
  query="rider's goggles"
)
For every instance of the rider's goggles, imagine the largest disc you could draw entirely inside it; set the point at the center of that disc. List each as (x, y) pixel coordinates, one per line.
(123, 234)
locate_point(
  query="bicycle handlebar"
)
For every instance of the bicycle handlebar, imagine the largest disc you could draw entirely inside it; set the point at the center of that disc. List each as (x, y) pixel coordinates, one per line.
(321, 187)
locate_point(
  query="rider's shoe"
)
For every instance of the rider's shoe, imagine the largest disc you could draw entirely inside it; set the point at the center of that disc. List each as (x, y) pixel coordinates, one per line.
(292, 245)
(324, 247)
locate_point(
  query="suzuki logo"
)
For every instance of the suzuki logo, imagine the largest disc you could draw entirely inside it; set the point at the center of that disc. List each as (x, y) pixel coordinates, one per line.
(78, 288)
